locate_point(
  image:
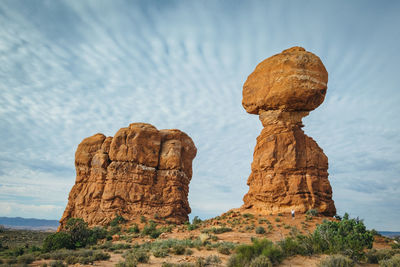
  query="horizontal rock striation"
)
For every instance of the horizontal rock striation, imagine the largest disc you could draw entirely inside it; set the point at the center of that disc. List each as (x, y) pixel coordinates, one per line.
(139, 171)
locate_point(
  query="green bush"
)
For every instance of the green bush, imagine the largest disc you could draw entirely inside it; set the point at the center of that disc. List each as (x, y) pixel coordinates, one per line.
(216, 230)
(395, 245)
(226, 250)
(374, 256)
(196, 220)
(57, 241)
(248, 215)
(85, 256)
(336, 261)
(392, 262)
(312, 212)
(118, 246)
(57, 264)
(143, 219)
(246, 253)
(79, 232)
(151, 230)
(211, 260)
(160, 252)
(26, 259)
(134, 229)
(260, 261)
(192, 227)
(114, 230)
(348, 236)
(117, 220)
(185, 264)
(135, 256)
(95, 234)
(178, 249)
(291, 247)
(260, 230)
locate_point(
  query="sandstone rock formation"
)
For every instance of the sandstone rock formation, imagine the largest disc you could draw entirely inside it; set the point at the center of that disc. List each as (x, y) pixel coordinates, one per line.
(289, 169)
(139, 171)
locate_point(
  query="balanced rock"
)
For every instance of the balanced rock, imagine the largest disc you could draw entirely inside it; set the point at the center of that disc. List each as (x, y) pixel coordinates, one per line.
(139, 171)
(289, 169)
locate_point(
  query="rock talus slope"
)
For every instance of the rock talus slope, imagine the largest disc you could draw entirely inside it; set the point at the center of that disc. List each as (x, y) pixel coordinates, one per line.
(289, 169)
(139, 171)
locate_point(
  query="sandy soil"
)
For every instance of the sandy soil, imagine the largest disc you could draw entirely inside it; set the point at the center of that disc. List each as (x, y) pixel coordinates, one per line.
(282, 226)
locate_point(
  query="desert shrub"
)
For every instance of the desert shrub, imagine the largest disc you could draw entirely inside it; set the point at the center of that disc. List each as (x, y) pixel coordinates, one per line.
(196, 220)
(185, 264)
(244, 254)
(119, 246)
(77, 256)
(396, 246)
(374, 232)
(160, 252)
(95, 234)
(151, 230)
(57, 264)
(143, 219)
(248, 215)
(192, 227)
(349, 237)
(114, 230)
(392, 262)
(216, 230)
(178, 249)
(277, 219)
(134, 229)
(118, 219)
(260, 261)
(374, 256)
(336, 261)
(312, 212)
(79, 232)
(260, 230)
(188, 252)
(57, 241)
(26, 259)
(211, 260)
(263, 220)
(136, 255)
(291, 247)
(224, 249)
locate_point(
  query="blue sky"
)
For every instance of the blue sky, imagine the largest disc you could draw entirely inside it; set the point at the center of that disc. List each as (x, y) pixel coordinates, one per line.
(70, 69)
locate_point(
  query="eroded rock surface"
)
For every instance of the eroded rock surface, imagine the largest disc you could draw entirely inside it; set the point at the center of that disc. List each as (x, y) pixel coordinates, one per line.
(289, 169)
(139, 171)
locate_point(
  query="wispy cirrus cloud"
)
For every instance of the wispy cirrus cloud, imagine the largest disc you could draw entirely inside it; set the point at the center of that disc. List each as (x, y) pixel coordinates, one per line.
(70, 69)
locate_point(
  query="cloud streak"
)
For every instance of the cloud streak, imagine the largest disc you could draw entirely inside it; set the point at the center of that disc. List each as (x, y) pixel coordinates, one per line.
(70, 69)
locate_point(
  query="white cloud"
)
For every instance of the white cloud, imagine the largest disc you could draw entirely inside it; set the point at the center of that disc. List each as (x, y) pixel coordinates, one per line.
(29, 210)
(71, 69)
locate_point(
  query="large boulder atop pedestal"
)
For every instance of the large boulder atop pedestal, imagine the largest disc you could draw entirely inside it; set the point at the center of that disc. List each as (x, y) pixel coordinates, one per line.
(294, 80)
(289, 170)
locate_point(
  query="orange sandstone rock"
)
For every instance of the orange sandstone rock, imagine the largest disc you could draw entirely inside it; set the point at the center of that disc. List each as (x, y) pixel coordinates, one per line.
(139, 171)
(289, 169)
(294, 80)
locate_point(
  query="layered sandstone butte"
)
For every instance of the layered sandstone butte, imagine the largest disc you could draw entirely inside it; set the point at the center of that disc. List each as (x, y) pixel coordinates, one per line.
(289, 169)
(139, 171)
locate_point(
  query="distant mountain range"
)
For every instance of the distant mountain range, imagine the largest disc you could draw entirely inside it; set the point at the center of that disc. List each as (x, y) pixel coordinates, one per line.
(30, 224)
(389, 234)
